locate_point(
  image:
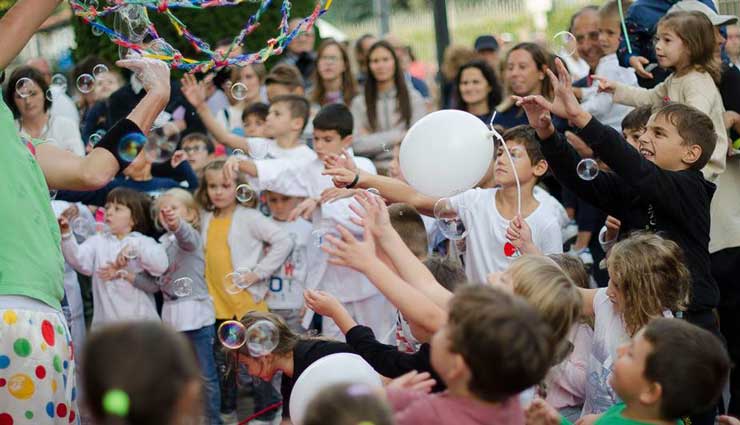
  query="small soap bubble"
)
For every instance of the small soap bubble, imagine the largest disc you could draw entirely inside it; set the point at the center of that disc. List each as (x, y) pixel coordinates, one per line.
(232, 282)
(448, 220)
(94, 139)
(317, 236)
(49, 95)
(52, 194)
(564, 44)
(130, 252)
(244, 193)
(239, 91)
(59, 80)
(232, 334)
(82, 227)
(182, 287)
(262, 337)
(238, 153)
(85, 83)
(130, 146)
(96, 30)
(99, 69)
(587, 169)
(24, 87)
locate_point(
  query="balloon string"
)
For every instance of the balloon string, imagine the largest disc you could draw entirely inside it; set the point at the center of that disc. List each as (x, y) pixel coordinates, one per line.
(624, 27)
(513, 166)
(261, 412)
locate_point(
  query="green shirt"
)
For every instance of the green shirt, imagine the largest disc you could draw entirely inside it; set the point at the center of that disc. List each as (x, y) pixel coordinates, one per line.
(31, 262)
(613, 416)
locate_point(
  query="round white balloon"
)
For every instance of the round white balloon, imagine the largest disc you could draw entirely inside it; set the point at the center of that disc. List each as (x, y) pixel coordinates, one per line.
(333, 369)
(446, 152)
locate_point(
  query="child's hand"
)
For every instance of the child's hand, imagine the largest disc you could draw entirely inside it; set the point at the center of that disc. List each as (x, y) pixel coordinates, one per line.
(638, 64)
(169, 219)
(322, 303)
(178, 157)
(350, 252)
(728, 420)
(343, 160)
(605, 86)
(565, 104)
(374, 214)
(414, 381)
(541, 413)
(335, 193)
(612, 228)
(305, 209)
(231, 168)
(71, 212)
(341, 177)
(249, 279)
(63, 225)
(193, 91)
(520, 235)
(537, 114)
(587, 420)
(109, 271)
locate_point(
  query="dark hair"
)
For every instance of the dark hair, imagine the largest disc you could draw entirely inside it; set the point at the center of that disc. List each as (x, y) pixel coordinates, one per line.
(504, 342)
(494, 96)
(199, 137)
(526, 136)
(637, 118)
(348, 404)
(410, 227)
(285, 74)
(690, 364)
(349, 88)
(448, 271)
(403, 97)
(88, 63)
(153, 371)
(697, 33)
(573, 267)
(361, 55)
(36, 77)
(258, 108)
(298, 105)
(695, 128)
(138, 203)
(335, 117)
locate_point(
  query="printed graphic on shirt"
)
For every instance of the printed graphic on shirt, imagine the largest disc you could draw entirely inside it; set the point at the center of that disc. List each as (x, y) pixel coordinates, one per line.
(286, 284)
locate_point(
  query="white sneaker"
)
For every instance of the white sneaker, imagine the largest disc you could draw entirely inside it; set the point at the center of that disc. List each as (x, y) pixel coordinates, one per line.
(570, 231)
(230, 418)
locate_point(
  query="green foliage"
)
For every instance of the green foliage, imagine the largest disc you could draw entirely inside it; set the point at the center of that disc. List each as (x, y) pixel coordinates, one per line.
(211, 25)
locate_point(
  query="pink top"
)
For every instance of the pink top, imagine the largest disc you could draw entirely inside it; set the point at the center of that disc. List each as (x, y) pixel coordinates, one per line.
(566, 382)
(413, 407)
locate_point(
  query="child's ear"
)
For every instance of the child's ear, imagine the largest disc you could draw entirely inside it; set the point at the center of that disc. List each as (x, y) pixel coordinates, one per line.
(459, 369)
(692, 154)
(347, 142)
(652, 394)
(296, 124)
(540, 168)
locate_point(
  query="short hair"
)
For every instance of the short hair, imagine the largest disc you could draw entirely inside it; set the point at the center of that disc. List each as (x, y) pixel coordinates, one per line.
(610, 9)
(25, 72)
(258, 108)
(695, 128)
(409, 225)
(581, 11)
(637, 118)
(297, 104)
(348, 404)
(526, 136)
(503, 341)
(699, 356)
(285, 74)
(573, 267)
(199, 137)
(448, 271)
(335, 116)
(138, 203)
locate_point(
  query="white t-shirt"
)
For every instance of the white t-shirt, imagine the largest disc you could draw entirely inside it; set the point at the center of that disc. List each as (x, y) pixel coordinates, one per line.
(63, 106)
(487, 232)
(274, 151)
(61, 132)
(287, 283)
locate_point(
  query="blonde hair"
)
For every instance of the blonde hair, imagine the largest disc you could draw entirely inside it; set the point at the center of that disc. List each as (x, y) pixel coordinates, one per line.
(697, 33)
(201, 195)
(183, 196)
(649, 272)
(541, 282)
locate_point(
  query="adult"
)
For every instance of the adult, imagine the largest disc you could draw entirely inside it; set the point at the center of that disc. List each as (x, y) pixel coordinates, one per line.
(242, 89)
(62, 104)
(732, 45)
(333, 81)
(478, 89)
(585, 28)
(31, 272)
(300, 51)
(31, 109)
(455, 56)
(387, 108)
(404, 59)
(362, 45)
(487, 48)
(95, 117)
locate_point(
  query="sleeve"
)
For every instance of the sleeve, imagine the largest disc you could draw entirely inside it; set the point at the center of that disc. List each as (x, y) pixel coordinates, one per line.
(188, 239)
(280, 245)
(639, 33)
(605, 244)
(573, 373)
(638, 96)
(153, 257)
(370, 145)
(146, 283)
(385, 359)
(695, 91)
(284, 176)
(80, 257)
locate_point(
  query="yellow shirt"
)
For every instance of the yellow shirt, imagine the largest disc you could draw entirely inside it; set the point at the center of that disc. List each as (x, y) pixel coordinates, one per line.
(218, 265)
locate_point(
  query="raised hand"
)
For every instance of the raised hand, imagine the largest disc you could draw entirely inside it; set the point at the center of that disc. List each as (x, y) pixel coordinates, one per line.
(231, 168)
(414, 381)
(564, 104)
(341, 177)
(305, 209)
(612, 228)
(638, 64)
(63, 225)
(343, 160)
(373, 215)
(169, 219)
(178, 157)
(541, 413)
(153, 73)
(605, 85)
(538, 114)
(322, 303)
(193, 91)
(348, 251)
(335, 193)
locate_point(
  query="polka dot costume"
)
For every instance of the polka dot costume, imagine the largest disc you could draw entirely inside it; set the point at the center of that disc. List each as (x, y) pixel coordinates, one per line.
(37, 369)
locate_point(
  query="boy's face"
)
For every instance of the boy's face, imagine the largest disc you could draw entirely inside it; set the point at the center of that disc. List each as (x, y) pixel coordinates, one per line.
(329, 142)
(450, 366)
(281, 205)
(628, 372)
(662, 145)
(254, 126)
(118, 218)
(279, 122)
(632, 135)
(197, 152)
(394, 169)
(609, 33)
(526, 172)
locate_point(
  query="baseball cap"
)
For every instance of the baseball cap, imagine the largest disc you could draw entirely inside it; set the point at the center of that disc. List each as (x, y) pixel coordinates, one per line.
(486, 42)
(697, 6)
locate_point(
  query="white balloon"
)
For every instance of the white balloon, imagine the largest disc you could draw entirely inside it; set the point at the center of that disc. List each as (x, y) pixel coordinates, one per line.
(339, 368)
(446, 152)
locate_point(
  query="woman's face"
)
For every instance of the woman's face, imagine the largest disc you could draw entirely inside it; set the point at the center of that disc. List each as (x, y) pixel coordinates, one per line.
(474, 87)
(261, 367)
(330, 64)
(105, 84)
(522, 74)
(31, 105)
(381, 64)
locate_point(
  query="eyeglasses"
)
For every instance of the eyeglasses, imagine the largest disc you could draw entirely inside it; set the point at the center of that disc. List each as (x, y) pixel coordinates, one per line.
(330, 59)
(194, 149)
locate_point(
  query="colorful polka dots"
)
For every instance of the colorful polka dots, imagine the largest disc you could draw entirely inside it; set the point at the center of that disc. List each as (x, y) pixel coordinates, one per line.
(29, 414)
(3, 382)
(50, 409)
(72, 416)
(40, 372)
(47, 331)
(4, 361)
(21, 386)
(58, 363)
(6, 419)
(22, 347)
(10, 317)
(61, 410)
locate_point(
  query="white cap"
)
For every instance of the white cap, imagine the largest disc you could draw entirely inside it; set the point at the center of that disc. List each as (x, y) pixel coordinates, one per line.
(697, 6)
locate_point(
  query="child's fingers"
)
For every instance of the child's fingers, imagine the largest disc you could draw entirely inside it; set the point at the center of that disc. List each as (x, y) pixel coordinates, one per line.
(358, 221)
(361, 213)
(338, 244)
(347, 236)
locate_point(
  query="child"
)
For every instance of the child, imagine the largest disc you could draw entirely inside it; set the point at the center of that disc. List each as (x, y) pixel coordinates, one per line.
(286, 284)
(409, 225)
(634, 124)
(284, 79)
(114, 297)
(332, 136)
(254, 118)
(348, 404)
(199, 149)
(645, 377)
(283, 126)
(600, 104)
(235, 236)
(486, 213)
(659, 188)
(146, 375)
(685, 44)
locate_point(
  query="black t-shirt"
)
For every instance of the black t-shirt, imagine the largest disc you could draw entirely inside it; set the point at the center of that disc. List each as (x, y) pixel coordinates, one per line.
(729, 89)
(306, 352)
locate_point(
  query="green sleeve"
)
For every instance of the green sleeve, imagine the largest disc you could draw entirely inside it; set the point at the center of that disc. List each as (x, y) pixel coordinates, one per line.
(565, 421)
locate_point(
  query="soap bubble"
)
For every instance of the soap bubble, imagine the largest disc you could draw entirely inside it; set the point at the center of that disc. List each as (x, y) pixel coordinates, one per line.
(317, 236)
(96, 30)
(232, 334)
(564, 44)
(130, 252)
(99, 69)
(94, 139)
(85, 83)
(130, 146)
(239, 91)
(238, 153)
(244, 193)
(587, 169)
(262, 337)
(24, 87)
(182, 287)
(162, 143)
(448, 220)
(59, 80)
(82, 227)
(49, 95)
(236, 281)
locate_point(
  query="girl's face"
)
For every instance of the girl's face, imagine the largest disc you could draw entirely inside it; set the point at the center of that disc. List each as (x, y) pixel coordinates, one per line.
(221, 192)
(614, 292)
(170, 203)
(330, 64)
(251, 81)
(31, 105)
(670, 49)
(474, 87)
(522, 74)
(381, 64)
(118, 218)
(261, 367)
(105, 84)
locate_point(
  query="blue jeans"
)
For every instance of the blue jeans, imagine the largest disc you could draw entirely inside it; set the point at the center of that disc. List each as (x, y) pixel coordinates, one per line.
(202, 340)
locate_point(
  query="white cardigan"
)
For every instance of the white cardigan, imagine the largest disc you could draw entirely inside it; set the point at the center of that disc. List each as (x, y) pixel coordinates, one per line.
(249, 234)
